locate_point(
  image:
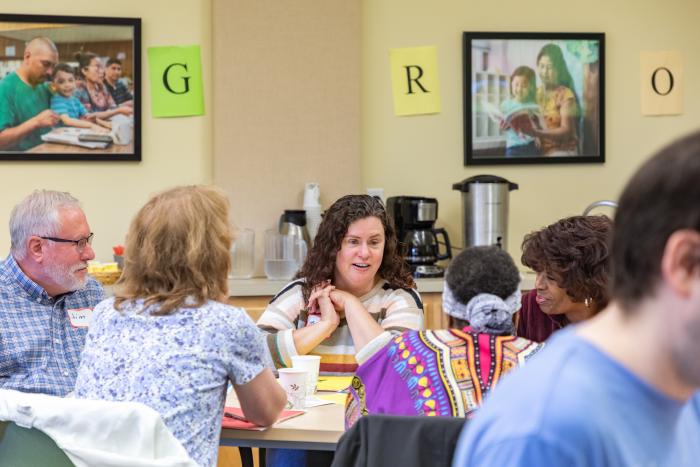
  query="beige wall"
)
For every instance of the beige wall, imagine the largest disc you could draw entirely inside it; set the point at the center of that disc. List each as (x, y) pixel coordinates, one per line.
(409, 155)
(287, 86)
(175, 151)
(422, 155)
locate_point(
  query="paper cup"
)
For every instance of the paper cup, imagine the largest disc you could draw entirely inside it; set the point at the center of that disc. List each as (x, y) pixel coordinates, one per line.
(311, 364)
(293, 381)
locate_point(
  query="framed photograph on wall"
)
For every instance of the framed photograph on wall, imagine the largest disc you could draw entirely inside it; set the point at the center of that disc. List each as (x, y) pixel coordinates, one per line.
(534, 98)
(70, 88)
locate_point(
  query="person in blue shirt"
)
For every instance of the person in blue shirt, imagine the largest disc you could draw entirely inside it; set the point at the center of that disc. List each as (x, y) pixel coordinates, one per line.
(614, 390)
(46, 296)
(68, 107)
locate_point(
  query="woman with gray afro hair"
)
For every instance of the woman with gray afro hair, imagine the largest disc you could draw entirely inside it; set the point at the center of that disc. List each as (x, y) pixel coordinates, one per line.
(448, 372)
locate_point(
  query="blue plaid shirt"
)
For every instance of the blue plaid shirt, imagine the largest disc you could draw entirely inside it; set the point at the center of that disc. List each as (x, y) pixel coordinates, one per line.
(39, 347)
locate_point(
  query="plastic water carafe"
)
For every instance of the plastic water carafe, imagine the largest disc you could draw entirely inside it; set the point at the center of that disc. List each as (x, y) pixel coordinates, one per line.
(284, 255)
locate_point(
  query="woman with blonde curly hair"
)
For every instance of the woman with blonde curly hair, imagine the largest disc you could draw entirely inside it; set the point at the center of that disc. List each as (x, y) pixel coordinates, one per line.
(167, 338)
(351, 294)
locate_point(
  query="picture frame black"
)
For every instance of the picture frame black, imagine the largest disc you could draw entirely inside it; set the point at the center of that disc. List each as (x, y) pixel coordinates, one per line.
(108, 38)
(563, 122)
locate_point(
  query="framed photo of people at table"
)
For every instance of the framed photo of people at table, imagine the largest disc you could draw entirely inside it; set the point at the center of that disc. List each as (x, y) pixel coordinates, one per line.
(534, 98)
(70, 88)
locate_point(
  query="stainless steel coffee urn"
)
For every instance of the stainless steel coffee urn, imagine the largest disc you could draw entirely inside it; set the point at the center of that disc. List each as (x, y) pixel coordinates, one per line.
(485, 209)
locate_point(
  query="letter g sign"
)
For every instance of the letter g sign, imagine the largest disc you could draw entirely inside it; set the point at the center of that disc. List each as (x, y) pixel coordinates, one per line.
(166, 79)
(177, 89)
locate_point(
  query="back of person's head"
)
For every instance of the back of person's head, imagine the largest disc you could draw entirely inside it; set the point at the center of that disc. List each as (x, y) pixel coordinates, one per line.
(178, 247)
(482, 289)
(575, 252)
(320, 264)
(37, 214)
(662, 197)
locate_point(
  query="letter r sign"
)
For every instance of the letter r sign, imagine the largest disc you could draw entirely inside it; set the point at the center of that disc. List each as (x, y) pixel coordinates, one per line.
(176, 81)
(661, 83)
(414, 79)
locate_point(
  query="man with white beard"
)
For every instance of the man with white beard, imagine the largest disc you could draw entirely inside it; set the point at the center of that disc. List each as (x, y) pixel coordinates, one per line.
(46, 296)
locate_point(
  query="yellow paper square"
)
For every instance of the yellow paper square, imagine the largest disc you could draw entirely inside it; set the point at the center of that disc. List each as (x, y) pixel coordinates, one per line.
(333, 383)
(661, 82)
(414, 80)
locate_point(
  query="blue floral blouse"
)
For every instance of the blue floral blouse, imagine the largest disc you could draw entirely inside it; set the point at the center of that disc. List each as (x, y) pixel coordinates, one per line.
(178, 364)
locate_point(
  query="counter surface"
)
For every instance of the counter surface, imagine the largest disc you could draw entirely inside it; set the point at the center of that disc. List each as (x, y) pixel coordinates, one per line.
(260, 286)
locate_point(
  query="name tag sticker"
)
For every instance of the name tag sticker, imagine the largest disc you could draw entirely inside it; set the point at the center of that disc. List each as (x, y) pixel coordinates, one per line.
(80, 317)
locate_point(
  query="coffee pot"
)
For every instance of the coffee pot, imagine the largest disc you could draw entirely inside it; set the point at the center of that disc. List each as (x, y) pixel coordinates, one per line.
(485, 210)
(293, 223)
(414, 219)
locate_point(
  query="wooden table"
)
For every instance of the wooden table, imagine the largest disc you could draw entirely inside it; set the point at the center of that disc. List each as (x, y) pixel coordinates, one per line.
(51, 148)
(318, 429)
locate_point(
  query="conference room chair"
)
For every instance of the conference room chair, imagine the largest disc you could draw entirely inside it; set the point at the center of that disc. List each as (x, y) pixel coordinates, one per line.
(42, 430)
(381, 440)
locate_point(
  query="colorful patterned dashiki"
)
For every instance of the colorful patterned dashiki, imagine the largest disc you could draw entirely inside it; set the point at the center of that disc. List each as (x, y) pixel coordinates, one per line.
(435, 373)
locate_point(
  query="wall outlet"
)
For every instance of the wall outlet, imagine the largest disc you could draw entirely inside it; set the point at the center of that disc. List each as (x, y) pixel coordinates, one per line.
(377, 193)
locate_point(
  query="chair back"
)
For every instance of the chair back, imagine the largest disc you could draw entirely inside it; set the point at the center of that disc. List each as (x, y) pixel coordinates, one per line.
(29, 447)
(380, 440)
(43, 430)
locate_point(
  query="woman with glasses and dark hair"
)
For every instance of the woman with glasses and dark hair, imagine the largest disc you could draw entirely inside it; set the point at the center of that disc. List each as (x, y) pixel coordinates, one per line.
(91, 90)
(168, 338)
(351, 294)
(571, 260)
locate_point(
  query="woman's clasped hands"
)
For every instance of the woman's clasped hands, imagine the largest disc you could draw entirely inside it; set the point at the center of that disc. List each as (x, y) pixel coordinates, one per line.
(329, 305)
(321, 307)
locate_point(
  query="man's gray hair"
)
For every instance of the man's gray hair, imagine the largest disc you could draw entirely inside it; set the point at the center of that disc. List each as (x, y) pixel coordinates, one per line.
(37, 214)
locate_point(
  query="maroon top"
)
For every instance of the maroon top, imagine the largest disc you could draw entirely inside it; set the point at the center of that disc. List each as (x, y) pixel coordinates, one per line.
(533, 323)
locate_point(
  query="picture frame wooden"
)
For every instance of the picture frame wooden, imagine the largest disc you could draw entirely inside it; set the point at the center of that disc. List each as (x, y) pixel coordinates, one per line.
(534, 98)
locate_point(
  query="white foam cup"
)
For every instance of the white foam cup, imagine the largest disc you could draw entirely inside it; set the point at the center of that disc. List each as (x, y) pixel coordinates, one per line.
(293, 381)
(311, 364)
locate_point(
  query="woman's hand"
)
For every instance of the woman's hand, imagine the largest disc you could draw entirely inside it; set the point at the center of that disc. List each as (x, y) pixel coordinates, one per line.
(307, 338)
(345, 302)
(363, 327)
(320, 302)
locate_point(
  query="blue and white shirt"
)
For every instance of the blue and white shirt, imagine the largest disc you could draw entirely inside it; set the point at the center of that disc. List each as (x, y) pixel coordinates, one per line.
(178, 364)
(39, 346)
(70, 106)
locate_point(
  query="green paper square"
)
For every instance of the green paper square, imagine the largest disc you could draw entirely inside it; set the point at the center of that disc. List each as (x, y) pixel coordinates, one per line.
(176, 81)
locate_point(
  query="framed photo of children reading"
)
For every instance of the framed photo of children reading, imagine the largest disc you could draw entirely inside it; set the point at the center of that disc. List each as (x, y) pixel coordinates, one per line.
(534, 98)
(70, 88)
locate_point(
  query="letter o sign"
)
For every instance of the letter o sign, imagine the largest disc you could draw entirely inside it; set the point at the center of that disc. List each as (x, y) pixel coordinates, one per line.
(662, 81)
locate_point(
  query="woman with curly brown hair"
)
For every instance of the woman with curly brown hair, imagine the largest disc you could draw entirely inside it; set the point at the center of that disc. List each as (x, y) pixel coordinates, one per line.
(570, 258)
(351, 294)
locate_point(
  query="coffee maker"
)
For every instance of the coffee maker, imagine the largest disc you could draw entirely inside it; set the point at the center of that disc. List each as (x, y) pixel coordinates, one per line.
(414, 219)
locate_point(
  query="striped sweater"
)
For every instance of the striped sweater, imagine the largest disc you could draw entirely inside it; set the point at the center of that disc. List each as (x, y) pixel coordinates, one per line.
(396, 310)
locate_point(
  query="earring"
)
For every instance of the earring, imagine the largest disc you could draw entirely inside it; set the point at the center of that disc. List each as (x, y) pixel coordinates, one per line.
(588, 301)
